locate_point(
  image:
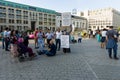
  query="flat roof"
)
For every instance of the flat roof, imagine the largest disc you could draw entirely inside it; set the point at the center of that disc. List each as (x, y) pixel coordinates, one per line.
(26, 7)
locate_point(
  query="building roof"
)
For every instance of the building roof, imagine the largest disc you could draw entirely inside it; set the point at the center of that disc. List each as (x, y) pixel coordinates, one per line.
(26, 7)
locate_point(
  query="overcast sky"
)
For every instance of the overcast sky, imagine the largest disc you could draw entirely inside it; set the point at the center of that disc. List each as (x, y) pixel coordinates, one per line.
(69, 5)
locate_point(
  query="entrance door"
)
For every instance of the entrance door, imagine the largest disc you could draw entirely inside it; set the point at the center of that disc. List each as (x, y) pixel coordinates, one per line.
(33, 25)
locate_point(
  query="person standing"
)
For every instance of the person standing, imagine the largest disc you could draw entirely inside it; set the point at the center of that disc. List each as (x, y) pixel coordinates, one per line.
(58, 41)
(103, 38)
(26, 39)
(111, 39)
(49, 35)
(2, 38)
(65, 32)
(41, 43)
(35, 38)
(6, 38)
(98, 36)
(79, 38)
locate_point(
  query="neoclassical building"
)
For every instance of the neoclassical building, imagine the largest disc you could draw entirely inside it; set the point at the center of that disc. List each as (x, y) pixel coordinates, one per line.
(101, 18)
(25, 17)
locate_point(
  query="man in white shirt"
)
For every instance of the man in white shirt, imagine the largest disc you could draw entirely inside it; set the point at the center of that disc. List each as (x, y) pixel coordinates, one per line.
(6, 38)
(103, 38)
(49, 35)
(58, 36)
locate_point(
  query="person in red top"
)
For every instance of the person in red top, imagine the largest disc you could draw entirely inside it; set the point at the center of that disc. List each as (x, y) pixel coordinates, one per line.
(35, 37)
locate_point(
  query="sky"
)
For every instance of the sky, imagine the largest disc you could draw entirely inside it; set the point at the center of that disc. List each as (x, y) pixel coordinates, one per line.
(69, 5)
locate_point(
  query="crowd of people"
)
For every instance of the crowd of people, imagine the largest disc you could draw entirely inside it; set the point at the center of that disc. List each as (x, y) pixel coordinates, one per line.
(18, 43)
(108, 39)
(49, 42)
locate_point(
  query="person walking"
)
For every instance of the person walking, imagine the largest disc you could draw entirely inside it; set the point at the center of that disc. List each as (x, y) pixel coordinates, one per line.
(111, 39)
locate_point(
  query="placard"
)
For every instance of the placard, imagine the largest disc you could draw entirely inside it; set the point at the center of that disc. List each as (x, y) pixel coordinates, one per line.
(66, 19)
(65, 41)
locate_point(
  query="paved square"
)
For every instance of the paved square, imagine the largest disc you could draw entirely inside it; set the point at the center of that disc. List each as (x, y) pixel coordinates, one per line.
(87, 61)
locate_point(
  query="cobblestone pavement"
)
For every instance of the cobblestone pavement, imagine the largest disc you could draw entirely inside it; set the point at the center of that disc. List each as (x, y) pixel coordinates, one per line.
(87, 61)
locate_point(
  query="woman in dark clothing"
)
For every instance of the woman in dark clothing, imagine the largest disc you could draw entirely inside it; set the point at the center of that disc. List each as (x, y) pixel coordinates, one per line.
(67, 50)
(26, 39)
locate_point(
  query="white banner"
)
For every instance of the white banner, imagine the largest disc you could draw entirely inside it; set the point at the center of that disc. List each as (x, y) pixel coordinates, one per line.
(66, 19)
(65, 41)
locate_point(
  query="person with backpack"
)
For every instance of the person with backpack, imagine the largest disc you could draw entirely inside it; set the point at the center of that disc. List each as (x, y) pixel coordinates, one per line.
(111, 44)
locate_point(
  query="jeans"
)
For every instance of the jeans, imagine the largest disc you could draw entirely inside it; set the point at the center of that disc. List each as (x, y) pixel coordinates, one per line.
(79, 40)
(114, 51)
(58, 43)
(6, 43)
(48, 53)
(3, 43)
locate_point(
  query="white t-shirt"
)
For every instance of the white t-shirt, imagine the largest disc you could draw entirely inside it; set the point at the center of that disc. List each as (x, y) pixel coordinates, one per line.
(9, 32)
(58, 35)
(103, 33)
(5, 34)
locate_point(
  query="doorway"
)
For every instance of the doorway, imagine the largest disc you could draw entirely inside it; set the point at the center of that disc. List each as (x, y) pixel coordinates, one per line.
(33, 25)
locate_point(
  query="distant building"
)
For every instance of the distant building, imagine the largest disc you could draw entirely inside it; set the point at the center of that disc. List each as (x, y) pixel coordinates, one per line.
(101, 18)
(76, 21)
(25, 17)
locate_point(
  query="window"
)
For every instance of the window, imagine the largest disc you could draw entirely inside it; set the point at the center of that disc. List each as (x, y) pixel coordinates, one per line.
(89, 26)
(40, 23)
(25, 12)
(94, 27)
(2, 20)
(10, 5)
(11, 21)
(32, 8)
(11, 15)
(25, 22)
(18, 16)
(2, 9)
(2, 15)
(10, 10)
(2, 4)
(19, 21)
(18, 12)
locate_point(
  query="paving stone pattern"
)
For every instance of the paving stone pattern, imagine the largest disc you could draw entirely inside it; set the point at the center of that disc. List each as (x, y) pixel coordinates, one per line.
(87, 61)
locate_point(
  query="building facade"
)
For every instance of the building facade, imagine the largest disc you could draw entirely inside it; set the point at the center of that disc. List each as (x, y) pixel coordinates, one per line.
(101, 18)
(76, 21)
(25, 17)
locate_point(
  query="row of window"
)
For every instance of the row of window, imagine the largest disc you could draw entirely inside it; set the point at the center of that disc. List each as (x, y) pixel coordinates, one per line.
(24, 22)
(46, 23)
(18, 11)
(13, 21)
(2, 27)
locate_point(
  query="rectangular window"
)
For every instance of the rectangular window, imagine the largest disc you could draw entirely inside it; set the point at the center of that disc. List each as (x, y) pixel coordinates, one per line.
(32, 8)
(2, 20)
